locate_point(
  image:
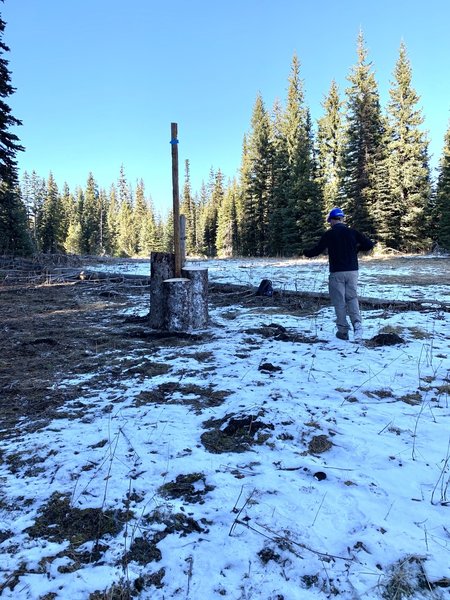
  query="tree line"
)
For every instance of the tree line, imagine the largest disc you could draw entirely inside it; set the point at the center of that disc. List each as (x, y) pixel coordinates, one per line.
(372, 162)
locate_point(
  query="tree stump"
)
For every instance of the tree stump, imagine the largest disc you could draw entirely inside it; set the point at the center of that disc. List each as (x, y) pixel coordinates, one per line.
(177, 304)
(162, 267)
(199, 307)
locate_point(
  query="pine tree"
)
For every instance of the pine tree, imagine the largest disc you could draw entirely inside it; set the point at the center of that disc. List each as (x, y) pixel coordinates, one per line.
(72, 208)
(112, 223)
(330, 140)
(103, 234)
(187, 208)
(363, 145)
(441, 213)
(144, 217)
(50, 235)
(33, 191)
(304, 211)
(201, 220)
(211, 211)
(408, 159)
(148, 241)
(126, 232)
(140, 211)
(126, 238)
(90, 218)
(227, 240)
(167, 234)
(278, 242)
(257, 185)
(68, 212)
(14, 237)
(9, 142)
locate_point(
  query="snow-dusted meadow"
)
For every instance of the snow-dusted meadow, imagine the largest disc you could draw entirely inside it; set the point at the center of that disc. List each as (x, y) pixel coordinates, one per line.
(343, 490)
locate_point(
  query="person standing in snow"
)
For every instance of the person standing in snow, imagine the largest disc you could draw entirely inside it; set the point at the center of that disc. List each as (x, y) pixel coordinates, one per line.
(343, 244)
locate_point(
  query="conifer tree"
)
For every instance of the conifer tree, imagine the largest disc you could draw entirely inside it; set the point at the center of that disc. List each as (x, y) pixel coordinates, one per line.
(211, 211)
(408, 162)
(363, 145)
(68, 213)
(187, 208)
(441, 212)
(126, 237)
(144, 217)
(140, 211)
(103, 221)
(227, 240)
(112, 223)
(159, 243)
(91, 218)
(73, 239)
(148, 241)
(14, 236)
(330, 140)
(304, 216)
(33, 191)
(50, 234)
(278, 240)
(202, 204)
(9, 142)
(167, 233)
(126, 231)
(257, 185)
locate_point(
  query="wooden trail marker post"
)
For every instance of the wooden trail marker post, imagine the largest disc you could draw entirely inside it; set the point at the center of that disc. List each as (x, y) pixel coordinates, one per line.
(178, 297)
(176, 199)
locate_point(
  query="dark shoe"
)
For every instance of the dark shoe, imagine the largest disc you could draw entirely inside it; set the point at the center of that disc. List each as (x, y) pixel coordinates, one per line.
(342, 335)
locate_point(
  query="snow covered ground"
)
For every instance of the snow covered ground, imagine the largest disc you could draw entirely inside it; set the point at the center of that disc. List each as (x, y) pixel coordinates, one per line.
(340, 487)
(402, 278)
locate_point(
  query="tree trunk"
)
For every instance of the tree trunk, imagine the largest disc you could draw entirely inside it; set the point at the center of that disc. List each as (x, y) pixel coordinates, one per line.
(162, 268)
(177, 303)
(199, 309)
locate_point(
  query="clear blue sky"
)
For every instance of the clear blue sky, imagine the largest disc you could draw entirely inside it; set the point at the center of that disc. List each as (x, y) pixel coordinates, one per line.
(100, 81)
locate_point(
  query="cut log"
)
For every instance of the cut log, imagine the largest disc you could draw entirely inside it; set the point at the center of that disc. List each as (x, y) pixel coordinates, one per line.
(199, 279)
(177, 302)
(162, 267)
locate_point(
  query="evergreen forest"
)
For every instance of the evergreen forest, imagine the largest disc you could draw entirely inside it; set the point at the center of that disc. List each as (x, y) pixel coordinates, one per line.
(371, 160)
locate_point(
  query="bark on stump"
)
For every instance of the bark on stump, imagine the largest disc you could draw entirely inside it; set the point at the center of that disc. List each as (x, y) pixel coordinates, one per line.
(177, 303)
(199, 307)
(162, 268)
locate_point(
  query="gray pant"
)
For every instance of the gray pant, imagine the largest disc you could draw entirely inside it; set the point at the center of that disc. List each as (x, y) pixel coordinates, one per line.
(343, 295)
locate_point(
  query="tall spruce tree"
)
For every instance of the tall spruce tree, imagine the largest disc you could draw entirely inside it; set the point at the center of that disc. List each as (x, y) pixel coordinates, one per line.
(14, 236)
(279, 200)
(112, 223)
(188, 209)
(257, 183)
(71, 224)
(33, 195)
(202, 203)
(140, 210)
(405, 212)
(227, 240)
(211, 212)
(50, 232)
(330, 140)
(91, 218)
(67, 210)
(441, 212)
(303, 222)
(9, 142)
(126, 223)
(363, 146)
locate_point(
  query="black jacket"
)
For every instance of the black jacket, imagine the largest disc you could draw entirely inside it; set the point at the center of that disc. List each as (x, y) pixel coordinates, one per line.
(343, 244)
